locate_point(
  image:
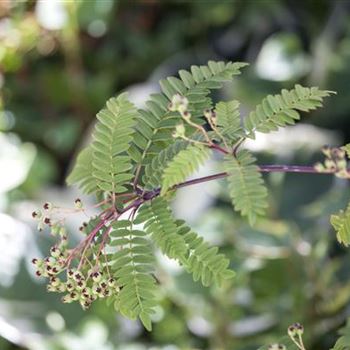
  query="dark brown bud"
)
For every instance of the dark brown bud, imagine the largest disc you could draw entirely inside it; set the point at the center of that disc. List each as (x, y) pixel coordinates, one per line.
(46, 206)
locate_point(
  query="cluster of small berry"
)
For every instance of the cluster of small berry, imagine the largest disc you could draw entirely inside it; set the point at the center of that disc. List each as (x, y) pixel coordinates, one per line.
(84, 288)
(85, 283)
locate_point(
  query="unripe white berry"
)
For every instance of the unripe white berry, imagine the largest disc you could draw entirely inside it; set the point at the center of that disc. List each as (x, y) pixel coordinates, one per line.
(78, 204)
(67, 299)
(96, 276)
(55, 252)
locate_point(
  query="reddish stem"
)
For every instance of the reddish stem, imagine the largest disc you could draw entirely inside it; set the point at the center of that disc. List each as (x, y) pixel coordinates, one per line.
(146, 196)
(218, 148)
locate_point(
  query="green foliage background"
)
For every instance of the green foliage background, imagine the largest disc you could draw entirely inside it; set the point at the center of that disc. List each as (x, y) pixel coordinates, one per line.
(52, 83)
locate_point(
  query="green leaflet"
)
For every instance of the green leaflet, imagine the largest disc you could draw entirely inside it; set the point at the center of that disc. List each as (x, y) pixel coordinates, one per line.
(156, 125)
(203, 261)
(281, 110)
(246, 185)
(160, 224)
(228, 120)
(82, 172)
(343, 343)
(341, 224)
(132, 266)
(154, 170)
(185, 163)
(112, 137)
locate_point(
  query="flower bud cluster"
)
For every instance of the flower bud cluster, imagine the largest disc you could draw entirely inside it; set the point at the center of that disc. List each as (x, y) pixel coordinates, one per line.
(43, 217)
(295, 330)
(51, 265)
(335, 162)
(86, 288)
(179, 131)
(83, 284)
(210, 115)
(179, 104)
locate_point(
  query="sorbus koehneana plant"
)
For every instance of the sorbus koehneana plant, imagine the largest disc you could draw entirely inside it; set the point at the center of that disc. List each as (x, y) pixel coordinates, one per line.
(136, 161)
